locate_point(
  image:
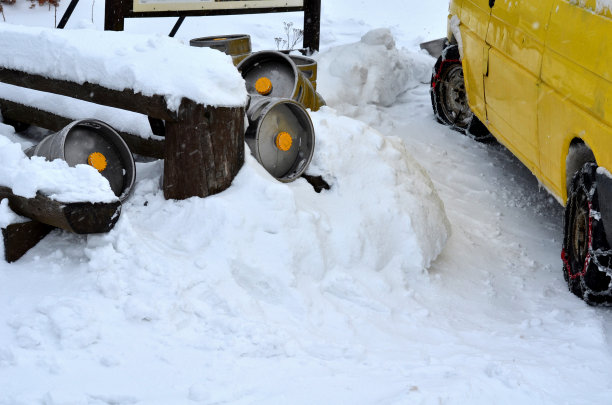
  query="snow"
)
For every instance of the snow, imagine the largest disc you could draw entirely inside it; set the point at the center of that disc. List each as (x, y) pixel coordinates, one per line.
(7, 216)
(600, 6)
(269, 293)
(55, 179)
(454, 26)
(148, 65)
(356, 76)
(603, 5)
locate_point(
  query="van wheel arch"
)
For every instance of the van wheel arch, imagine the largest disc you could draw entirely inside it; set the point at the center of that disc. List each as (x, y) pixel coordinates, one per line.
(578, 154)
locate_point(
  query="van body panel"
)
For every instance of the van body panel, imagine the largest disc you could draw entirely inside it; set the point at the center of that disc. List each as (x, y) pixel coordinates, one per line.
(561, 122)
(474, 19)
(454, 8)
(576, 72)
(539, 75)
(473, 71)
(516, 35)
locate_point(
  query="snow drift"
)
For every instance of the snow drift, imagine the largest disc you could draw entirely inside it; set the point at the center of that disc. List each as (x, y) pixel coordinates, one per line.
(146, 64)
(491, 321)
(371, 71)
(262, 271)
(242, 271)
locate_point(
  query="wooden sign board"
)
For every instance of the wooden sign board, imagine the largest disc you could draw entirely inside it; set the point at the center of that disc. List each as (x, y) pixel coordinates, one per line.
(219, 5)
(116, 11)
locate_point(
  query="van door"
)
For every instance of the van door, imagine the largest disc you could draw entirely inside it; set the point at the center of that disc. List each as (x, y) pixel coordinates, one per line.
(474, 18)
(516, 35)
(575, 100)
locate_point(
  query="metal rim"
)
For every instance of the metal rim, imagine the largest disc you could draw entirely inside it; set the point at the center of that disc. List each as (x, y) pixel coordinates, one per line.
(236, 44)
(120, 149)
(454, 97)
(580, 230)
(284, 166)
(307, 66)
(256, 60)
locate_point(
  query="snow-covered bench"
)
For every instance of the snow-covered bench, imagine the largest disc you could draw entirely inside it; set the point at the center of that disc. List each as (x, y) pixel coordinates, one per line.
(195, 93)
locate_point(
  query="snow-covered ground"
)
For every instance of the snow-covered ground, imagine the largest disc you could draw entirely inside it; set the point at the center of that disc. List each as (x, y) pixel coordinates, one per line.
(272, 294)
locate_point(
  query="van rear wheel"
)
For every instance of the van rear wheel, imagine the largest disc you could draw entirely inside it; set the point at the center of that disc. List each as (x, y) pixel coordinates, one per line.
(449, 97)
(587, 264)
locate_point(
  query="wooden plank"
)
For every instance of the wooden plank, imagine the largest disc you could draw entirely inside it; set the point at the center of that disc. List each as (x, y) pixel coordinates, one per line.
(204, 13)
(21, 113)
(204, 150)
(78, 217)
(153, 106)
(21, 237)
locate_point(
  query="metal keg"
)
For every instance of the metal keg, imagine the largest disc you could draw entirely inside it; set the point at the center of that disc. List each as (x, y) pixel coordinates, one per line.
(93, 143)
(307, 66)
(273, 74)
(281, 136)
(237, 46)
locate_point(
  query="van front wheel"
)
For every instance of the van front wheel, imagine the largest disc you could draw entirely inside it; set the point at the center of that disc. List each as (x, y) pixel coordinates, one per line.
(449, 97)
(586, 254)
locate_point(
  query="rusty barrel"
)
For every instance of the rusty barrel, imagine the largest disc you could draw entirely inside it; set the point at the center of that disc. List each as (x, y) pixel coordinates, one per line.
(281, 136)
(237, 46)
(274, 74)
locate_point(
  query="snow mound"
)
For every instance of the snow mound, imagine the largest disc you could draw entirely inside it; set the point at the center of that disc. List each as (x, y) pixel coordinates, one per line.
(262, 270)
(371, 71)
(56, 179)
(382, 211)
(118, 60)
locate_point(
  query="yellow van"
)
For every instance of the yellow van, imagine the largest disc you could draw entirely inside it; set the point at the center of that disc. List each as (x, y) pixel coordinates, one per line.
(537, 74)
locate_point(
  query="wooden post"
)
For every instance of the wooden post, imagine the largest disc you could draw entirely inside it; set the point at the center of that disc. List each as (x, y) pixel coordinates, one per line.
(21, 237)
(312, 25)
(204, 150)
(114, 14)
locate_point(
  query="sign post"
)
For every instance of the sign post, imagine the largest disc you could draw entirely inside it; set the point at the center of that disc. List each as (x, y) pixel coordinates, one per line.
(116, 11)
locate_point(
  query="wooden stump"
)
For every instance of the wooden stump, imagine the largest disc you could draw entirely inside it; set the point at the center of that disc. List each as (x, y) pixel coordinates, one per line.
(21, 237)
(77, 217)
(204, 150)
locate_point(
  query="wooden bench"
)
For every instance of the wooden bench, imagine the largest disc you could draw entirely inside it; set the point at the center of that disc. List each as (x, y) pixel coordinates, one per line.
(203, 147)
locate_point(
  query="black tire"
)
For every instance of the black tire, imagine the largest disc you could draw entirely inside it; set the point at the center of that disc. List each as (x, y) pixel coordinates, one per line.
(449, 98)
(586, 254)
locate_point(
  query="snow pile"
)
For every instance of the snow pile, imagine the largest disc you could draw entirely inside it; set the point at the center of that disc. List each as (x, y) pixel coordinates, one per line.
(282, 231)
(263, 270)
(397, 202)
(118, 60)
(212, 301)
(56, 179)
(371, 71)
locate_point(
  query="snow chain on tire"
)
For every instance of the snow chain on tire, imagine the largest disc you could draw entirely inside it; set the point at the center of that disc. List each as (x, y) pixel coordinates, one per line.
(449, 63)
(588, 277)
